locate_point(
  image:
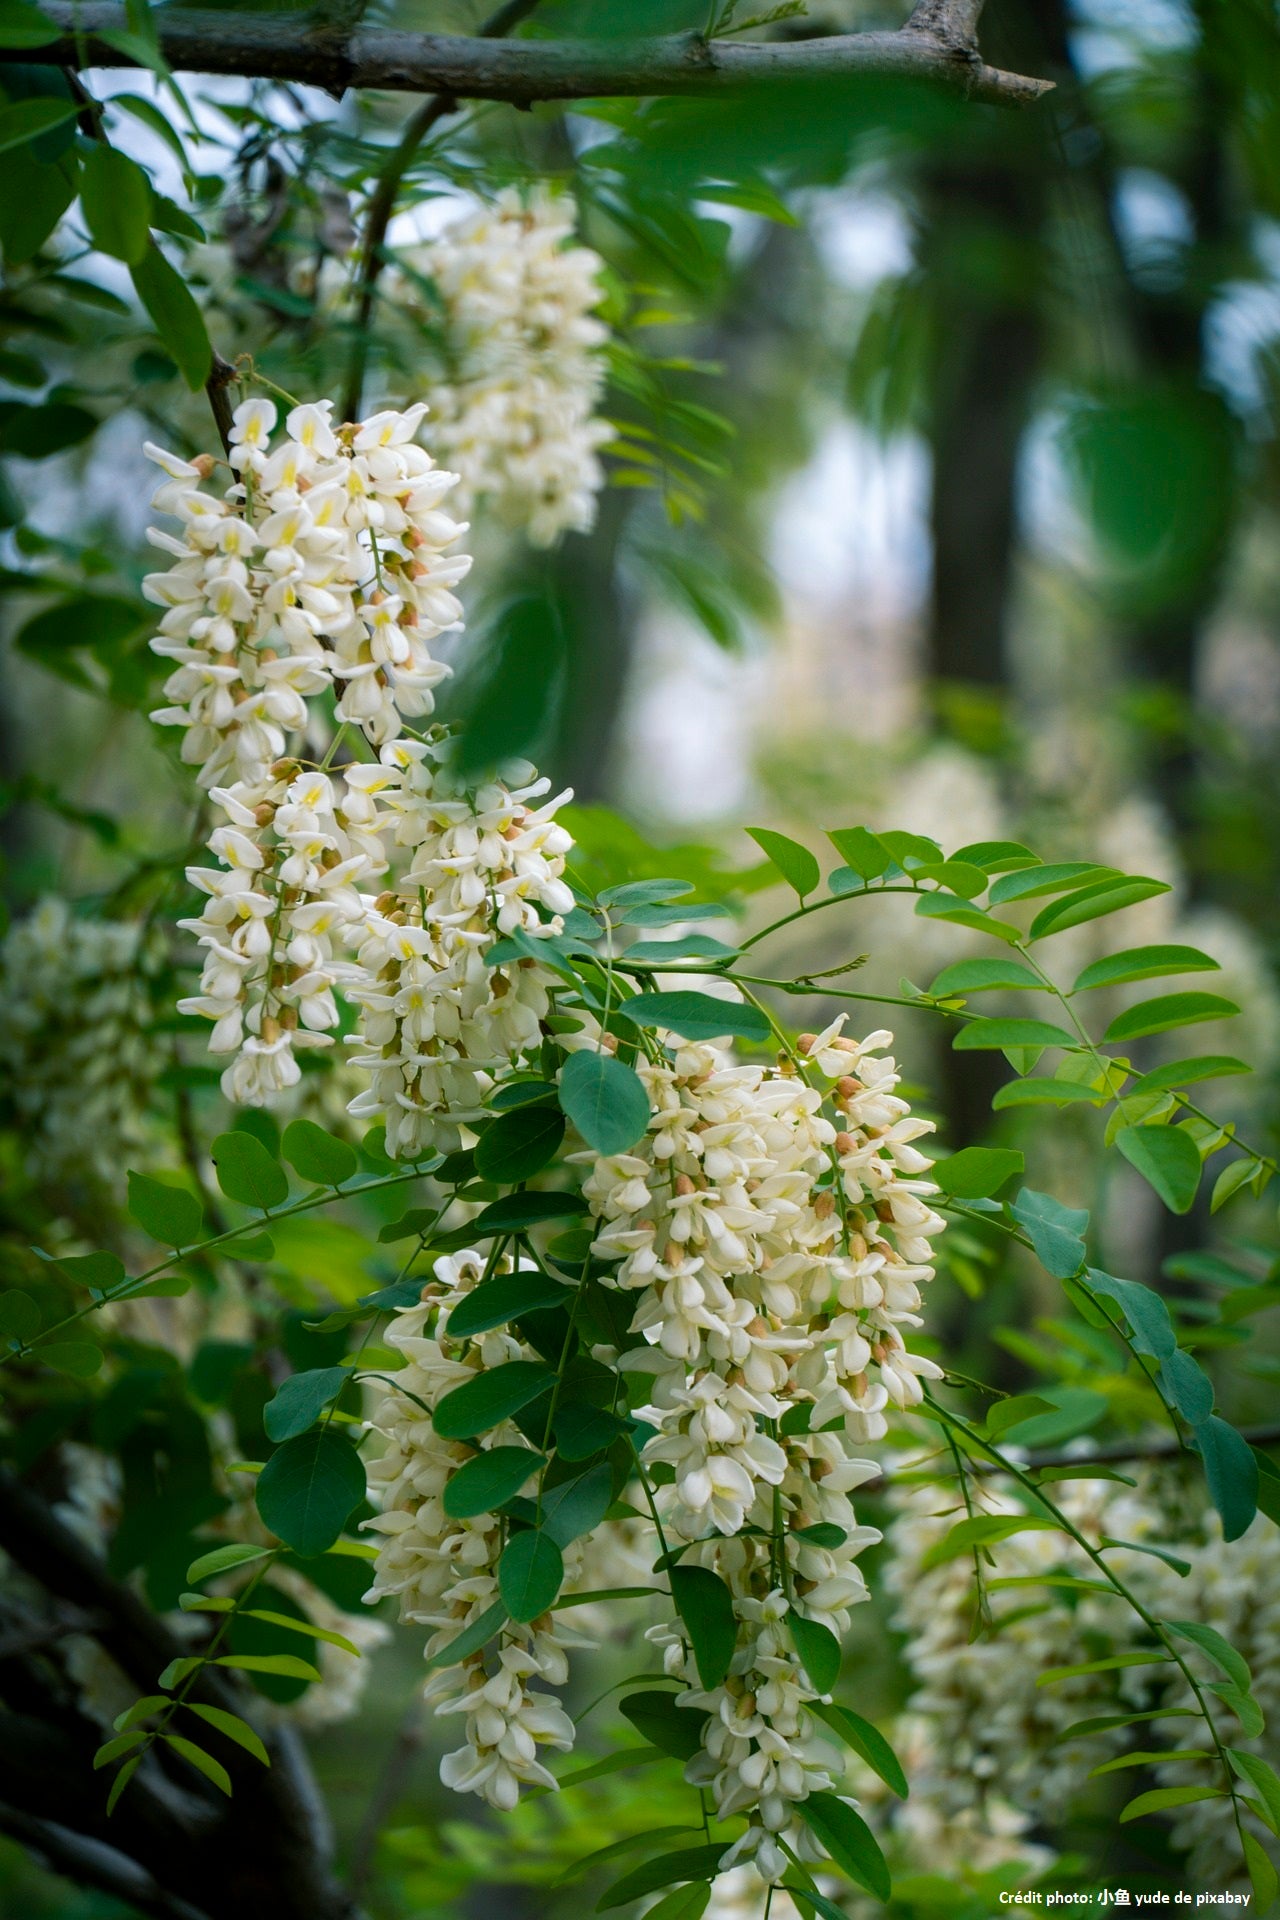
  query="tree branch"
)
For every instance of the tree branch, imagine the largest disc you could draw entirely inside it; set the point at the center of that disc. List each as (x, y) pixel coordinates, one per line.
(90, 1863)
(936, 45)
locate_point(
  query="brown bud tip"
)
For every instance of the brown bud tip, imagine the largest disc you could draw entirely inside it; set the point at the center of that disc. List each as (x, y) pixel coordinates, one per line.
(847, 1086)
(264, 814)
(805, 1041)
(271, 1030)
(204, 464)
(289, 1019)
(386, 902)
(845, 1143)
(285, 769)
(684, 1184)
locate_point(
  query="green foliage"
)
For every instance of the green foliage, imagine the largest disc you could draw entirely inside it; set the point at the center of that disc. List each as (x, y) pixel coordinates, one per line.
(309, 1488)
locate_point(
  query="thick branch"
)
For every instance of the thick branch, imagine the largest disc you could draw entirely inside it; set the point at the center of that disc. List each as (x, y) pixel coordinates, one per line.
(90, 1863)
(936, 45)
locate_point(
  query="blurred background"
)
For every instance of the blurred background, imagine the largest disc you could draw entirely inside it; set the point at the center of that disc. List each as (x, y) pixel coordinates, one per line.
(944, 496)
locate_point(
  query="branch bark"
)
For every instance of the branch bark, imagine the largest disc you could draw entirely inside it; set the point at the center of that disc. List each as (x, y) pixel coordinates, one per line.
(936, 45)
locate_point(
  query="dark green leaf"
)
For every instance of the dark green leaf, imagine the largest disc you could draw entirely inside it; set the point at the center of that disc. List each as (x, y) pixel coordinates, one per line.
(36, 432)
(976, 1172)
(233, 1727)
(169, 1214)
(694, 1863)
(1259, 1774)
(115, 198)
(866, 1741)
(78, 1359)
(20, 1317)
(308, 1488)
(582, 1431)
(177, 318)
(530, 1574)
(517, 1145)
(316, 1155)
(247, 1172)
(236, 1555)
(657, 1718)
(1232, 1474)
(517, 1211)
(1168, 1160)
(1030, 882)
(818, 1648)
(1142, 1307)
(489, 1481)
(471, 1639)
(492, 1397)
(1056, 1232)
(1161, 1798)
(506, 1298)
(795, 863)
(23, 120)
(849, 1840)
(1046, 1092)
(1185, 1073)
(1220, 1651)
(605, 1100)
(696, 1016)
(301, 1399)
(705, 1604)
(1166, 1011)
(202, 1762)
(286, 1665)
(1186, 1385)
(575, 1507)
(24, 26)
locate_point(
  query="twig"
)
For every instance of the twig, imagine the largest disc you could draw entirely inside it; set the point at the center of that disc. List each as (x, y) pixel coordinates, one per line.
(221, 376)
(382, 202)
(291, 46)
(1162, 1447)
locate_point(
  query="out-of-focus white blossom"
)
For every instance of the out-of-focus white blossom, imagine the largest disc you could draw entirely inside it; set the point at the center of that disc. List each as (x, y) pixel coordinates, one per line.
(517, 419)
(77, 1050)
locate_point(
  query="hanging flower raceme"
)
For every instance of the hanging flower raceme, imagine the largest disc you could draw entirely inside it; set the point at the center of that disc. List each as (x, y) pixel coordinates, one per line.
(324, 564)
(78, 1049)
(518, 418)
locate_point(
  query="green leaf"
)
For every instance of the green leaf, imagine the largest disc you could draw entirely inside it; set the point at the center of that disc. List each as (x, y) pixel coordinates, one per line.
(25, 119)
(24, 26)
(1236, 1174)
(982, 1530)
(1093, 902)
(238, 1554)
(1166, 1011)
(1111, 1664)
(1243, 1705)
(1262, 1875)
(1106, 1722)
(976, 1172)
(1074, 1410)
(1185, 1073)
(1167, 1159)
(1187, 1386)
(995, 1035)
(795, 863)
(1149, 1758)
(519, 1144)
(957, 876)
(866, 1741)
(684, 946)
(20, 1317)
(942, 906)
(1210, 1642)
(582, 1431)
(307, 1628)
(517, 1211)
(1028, 883)
(657, 1718)
(203, 1762)
(628, 1844)
(818, 1648)
(694, 1863)
(233, 1727)
(471, 1639)
(696, 1016)
(1046, 1092)
(316, 1155)
(301, 1399)
(506, 1298)
(78, 1359)
(1151, 1328)
(705, 1604)
(123, 1743)
(682, 1903)
(177, 318)
(605, 1100)
(115, 198)
(1259, 1774)
(1232, 1474)
(169, 1214)
(810, 1900)
(983, 976)
(1056, 1232)
(142, 1709)
(286, 1665)
(1161, 1798)
(574, 1507)
(996, 856)
(308, 1488)
(1143, 963)
(492, 1397)
(486, 1483)
(247, 1172)
(530, 1574)
(864, 851)
(849, 1840)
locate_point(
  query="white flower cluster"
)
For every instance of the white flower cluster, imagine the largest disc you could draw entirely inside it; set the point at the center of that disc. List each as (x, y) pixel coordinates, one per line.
(323, 565)
(778, 1255)
(991, 1758)
(443, 1571)
(77, 1051)
(518, 421)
